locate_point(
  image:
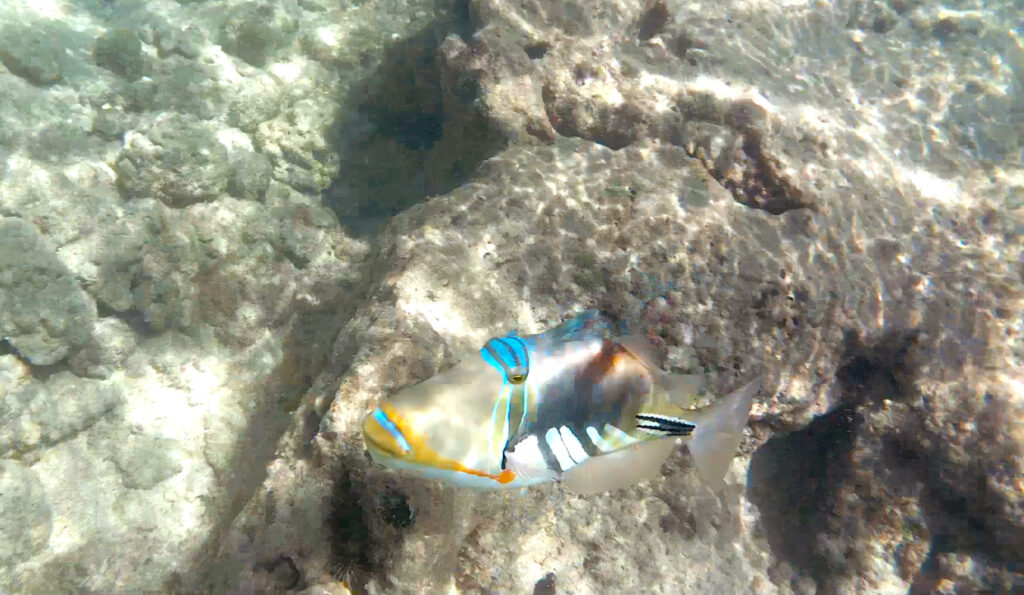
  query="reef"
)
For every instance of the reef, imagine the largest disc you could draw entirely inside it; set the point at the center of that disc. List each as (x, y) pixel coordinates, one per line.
(229, 228)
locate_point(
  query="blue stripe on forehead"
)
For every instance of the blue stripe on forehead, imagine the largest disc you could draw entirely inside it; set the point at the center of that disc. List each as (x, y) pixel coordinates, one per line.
(511, 354)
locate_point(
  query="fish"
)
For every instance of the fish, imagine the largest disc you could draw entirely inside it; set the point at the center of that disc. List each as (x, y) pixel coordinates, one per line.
(584, 404)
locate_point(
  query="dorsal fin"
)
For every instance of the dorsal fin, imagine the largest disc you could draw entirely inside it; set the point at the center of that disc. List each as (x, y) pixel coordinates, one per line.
(642, 349)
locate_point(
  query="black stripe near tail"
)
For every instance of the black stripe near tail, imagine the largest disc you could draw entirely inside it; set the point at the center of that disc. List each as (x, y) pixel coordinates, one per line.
(668, 426)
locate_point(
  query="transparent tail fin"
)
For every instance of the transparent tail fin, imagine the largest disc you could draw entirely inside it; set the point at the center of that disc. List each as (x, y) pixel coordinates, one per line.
(719, 431)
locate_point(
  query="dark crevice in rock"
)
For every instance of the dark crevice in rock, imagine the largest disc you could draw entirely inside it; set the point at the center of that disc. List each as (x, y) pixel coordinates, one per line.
(845, 480)
(305, 345)
(810, 482)
(957, 503)
(961, 514)
(137, 320)
(463, 20)
(417, 130)
(546, 585)
(310, 426)
(395, 509)
(682, 43)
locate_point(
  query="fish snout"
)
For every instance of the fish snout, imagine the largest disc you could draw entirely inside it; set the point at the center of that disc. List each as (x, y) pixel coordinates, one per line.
(382, 435)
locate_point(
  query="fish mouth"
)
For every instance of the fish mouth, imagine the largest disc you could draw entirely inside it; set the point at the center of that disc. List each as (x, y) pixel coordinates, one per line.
(386, 443)
(382, 435)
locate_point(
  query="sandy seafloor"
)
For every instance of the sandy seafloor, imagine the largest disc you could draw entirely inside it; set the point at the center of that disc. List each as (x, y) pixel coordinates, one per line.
(228, 228)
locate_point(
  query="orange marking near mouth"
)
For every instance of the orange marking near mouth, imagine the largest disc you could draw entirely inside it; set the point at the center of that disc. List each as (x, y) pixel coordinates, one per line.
(421, 453)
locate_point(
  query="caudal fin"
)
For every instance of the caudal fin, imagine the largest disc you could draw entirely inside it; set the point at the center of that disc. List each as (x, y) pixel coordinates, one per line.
(719, 432)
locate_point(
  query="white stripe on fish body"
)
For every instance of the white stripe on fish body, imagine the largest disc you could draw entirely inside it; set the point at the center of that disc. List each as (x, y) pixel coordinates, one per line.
(617, 438)
(573, 444)
(554, 439)
(598, 440)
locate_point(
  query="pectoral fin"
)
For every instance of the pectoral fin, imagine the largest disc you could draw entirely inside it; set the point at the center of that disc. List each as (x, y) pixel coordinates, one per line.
(619, 469)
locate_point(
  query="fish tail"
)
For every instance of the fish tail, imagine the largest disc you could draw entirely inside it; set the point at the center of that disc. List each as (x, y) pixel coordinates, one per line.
(719, 432)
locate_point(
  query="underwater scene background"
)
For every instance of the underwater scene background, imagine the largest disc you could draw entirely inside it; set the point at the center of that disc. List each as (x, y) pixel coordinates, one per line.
(229, 229)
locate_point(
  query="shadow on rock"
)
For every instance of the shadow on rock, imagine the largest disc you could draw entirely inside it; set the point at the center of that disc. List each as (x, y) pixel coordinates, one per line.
(876, 470)
(806, 483)
(417, 130)
(794, 481)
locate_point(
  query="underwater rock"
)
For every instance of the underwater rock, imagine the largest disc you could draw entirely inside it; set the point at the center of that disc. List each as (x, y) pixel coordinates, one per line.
(120, 52)
(37, 414)
(26, 520)
(297, 141)
(740, 208)
(793, 191)
(250, 176)
(255, 30)
(175, 159)
(145, 461)
(256, 99)
(112, 341)
(33, 51)
(44, 314)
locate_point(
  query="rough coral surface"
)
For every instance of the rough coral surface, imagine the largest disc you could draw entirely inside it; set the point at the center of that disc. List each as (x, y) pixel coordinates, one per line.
(202, 294)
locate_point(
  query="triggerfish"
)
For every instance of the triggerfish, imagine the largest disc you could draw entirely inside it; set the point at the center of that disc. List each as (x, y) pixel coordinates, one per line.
(584, 404)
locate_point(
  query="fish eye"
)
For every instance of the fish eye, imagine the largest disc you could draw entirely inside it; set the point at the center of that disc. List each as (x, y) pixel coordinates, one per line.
(517, 376)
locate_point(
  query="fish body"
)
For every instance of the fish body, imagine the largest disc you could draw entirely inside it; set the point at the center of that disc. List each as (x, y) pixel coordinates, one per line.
(583, 403)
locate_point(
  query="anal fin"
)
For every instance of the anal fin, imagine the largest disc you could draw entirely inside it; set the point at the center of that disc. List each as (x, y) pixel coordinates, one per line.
(619, 469)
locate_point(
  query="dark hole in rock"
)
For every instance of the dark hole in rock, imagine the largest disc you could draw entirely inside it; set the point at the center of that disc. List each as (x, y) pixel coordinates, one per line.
(133, 317)
(394, 507)
(462, 16)
(883, 24)
(901, 7)
(310, 427)
(536, 51)
(877, 371)
(283, 573)
(417, 130)
(546, 585)
(764, 187)
(683, 43)
(653, 20)
(945, 29)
